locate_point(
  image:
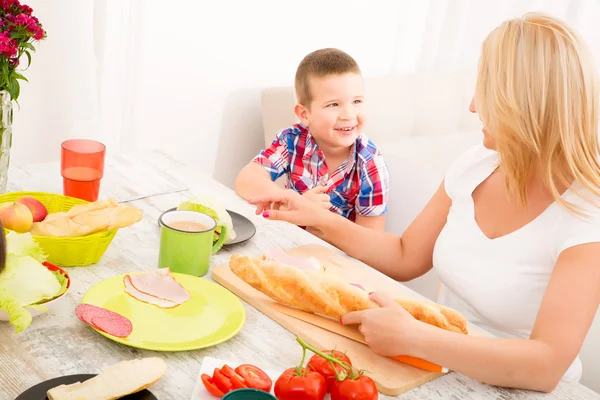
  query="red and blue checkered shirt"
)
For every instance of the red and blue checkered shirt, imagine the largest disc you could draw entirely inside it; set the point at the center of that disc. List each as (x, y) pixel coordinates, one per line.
(360, 185)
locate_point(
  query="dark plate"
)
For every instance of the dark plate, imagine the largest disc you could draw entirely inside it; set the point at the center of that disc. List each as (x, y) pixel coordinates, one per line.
(244, 228)
(38, 392)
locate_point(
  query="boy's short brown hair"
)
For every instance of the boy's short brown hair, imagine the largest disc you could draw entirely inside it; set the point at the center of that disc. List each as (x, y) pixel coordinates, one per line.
(321, 63)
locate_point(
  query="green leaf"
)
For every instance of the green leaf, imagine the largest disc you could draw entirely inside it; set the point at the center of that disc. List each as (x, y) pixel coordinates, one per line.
(13, 88)
(28, 46)
(17, 90)
(17, 75)
(62, 279)
(20, 318)
(24, 245)
(5, 68)
(28, 54)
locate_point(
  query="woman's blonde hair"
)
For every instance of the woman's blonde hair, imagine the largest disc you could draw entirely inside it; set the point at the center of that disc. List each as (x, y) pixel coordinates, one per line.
(537, 92)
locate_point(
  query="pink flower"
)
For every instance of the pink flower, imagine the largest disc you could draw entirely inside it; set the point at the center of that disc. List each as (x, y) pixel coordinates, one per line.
(26, 9)
(22, 19)
(39, 34)
(7, 49)
(12, 48)
(8, 46)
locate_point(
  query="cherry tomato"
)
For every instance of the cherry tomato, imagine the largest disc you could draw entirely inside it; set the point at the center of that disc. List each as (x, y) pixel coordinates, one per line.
(361, 388)
(322, 366)
(221, 381)
(309, 385)
(254, 377)
(210, 386)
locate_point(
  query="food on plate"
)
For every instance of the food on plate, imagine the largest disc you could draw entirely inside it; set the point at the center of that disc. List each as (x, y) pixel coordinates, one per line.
(158, 287)
(16, 217)
(26, 281)
(115, 382)
(38, 210)
(213, 208)
(326, 294)
(325, 368)
(146, 298)
(226, 379)
(105, 320)
(254, 377)
(301, 383)
(86, 219)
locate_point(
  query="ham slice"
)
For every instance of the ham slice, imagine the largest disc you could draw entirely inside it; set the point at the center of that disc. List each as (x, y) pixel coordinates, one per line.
(146, 298)
(157, 287)
(279, 255)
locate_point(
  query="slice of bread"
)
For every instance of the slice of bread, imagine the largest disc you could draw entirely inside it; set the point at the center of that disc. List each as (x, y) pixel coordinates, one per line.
(114, 382)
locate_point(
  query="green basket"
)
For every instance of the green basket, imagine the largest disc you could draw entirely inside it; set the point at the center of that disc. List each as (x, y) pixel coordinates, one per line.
(66, 251)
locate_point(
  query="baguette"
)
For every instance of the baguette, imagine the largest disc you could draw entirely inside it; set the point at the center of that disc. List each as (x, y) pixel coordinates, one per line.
(325, 294)
(115, 382)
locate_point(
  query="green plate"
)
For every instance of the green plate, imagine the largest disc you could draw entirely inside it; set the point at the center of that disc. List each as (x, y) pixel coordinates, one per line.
(212, 315)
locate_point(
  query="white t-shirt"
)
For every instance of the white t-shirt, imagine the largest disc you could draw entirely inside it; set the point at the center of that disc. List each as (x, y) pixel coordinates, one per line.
(498, 284)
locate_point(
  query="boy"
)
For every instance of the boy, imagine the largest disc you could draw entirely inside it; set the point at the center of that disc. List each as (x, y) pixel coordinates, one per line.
(325, 157)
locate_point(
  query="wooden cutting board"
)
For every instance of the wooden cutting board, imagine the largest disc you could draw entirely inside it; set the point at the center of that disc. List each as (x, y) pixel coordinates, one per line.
(392, 377)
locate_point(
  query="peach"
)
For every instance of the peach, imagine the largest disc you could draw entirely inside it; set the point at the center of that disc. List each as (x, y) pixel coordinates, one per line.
(35, 206)
(16, 217)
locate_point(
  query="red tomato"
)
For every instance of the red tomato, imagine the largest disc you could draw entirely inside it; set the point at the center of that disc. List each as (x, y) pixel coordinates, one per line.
(227, 371)
(322, 366)
(210, 386)
(254, 377)
(309, 385)
(362, 388)
(237, 382)
(221, 381)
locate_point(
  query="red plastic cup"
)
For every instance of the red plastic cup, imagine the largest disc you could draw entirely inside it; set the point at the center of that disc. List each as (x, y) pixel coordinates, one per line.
(82, 168)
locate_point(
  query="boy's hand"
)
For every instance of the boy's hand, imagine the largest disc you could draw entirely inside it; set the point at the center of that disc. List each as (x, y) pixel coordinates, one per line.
(319, 196)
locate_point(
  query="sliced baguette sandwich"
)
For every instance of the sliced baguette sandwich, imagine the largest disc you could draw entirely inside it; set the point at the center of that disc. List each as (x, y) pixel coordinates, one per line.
(114, 382)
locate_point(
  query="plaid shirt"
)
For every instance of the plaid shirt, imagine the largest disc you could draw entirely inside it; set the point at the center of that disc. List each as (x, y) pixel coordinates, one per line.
(360, 185)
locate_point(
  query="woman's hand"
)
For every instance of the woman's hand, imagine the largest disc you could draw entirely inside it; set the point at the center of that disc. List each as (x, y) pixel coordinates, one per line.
(389, 330)
(319, 195)
(289, 206)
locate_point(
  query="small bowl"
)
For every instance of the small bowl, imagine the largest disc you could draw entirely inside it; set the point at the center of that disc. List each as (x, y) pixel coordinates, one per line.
(49, 304)
(248, 394)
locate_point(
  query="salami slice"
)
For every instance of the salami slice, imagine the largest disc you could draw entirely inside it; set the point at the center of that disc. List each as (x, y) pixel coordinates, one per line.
(105, 320)
(117, 326)
(85, 312)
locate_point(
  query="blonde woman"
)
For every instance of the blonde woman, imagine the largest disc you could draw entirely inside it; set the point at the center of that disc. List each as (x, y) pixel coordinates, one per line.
(513, 232)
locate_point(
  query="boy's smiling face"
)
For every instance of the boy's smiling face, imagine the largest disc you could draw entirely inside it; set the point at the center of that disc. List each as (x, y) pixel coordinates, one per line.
(336, 113)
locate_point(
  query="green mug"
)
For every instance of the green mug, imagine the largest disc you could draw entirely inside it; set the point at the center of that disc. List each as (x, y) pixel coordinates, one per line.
(186, 241)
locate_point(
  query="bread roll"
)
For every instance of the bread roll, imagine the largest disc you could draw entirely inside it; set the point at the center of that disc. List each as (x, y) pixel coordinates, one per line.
(115, 382)
(86, 219)
(322, 293)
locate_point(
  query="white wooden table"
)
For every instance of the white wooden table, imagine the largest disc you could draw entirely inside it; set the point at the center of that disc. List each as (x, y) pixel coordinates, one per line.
(57, 343)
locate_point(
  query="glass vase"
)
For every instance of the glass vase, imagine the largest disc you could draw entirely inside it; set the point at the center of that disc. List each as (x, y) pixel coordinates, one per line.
(6, 117)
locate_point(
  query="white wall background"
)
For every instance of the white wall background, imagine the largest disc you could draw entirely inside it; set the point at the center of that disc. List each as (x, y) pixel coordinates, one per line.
(186, 76)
